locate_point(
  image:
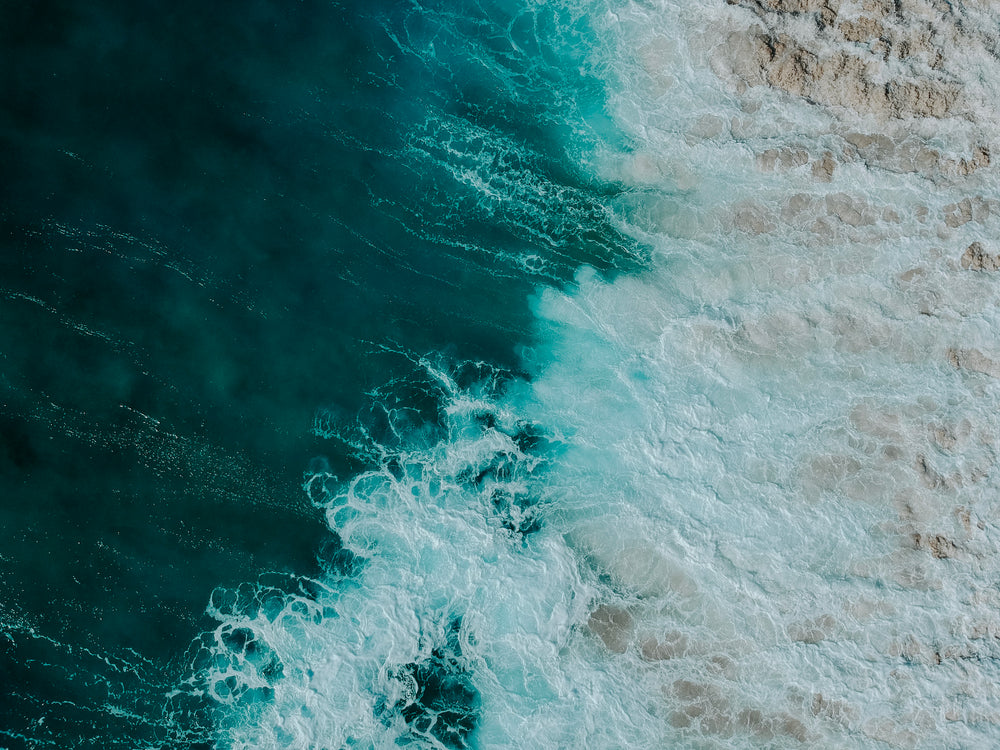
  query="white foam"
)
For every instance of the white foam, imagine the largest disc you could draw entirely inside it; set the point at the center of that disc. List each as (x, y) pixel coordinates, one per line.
(782, 409)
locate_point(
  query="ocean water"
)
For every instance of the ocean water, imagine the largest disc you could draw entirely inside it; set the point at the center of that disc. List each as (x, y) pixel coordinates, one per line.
(467, 375)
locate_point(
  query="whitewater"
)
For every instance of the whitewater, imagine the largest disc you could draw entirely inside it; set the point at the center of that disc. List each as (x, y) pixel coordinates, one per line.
(744, 496)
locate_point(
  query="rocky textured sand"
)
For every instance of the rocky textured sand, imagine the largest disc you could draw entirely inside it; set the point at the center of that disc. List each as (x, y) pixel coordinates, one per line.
(847, 178)
(892, 60)
(912, 83)
(907, 87)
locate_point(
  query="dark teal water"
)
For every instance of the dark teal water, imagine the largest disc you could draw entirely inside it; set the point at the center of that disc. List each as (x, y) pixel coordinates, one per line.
(216, 221)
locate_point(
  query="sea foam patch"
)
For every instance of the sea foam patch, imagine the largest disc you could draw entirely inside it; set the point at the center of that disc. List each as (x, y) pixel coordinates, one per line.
(773, 500)
(458, 628)
(784, 421)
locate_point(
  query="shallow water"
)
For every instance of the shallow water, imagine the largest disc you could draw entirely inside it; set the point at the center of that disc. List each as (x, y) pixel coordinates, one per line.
(470, 376)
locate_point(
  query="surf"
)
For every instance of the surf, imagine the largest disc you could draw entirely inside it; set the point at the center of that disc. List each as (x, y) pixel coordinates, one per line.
(737, 496)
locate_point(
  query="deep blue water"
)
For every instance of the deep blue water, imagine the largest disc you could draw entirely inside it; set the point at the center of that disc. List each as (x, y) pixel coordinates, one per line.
(218, 221)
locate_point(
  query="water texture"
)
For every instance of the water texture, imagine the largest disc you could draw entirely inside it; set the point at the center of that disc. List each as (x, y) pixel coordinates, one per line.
(481, 375)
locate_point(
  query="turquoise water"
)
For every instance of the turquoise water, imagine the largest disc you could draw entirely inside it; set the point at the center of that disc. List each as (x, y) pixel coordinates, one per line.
(451, 375)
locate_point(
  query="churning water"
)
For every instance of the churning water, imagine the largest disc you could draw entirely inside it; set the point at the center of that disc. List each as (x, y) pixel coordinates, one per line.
(623, 423)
